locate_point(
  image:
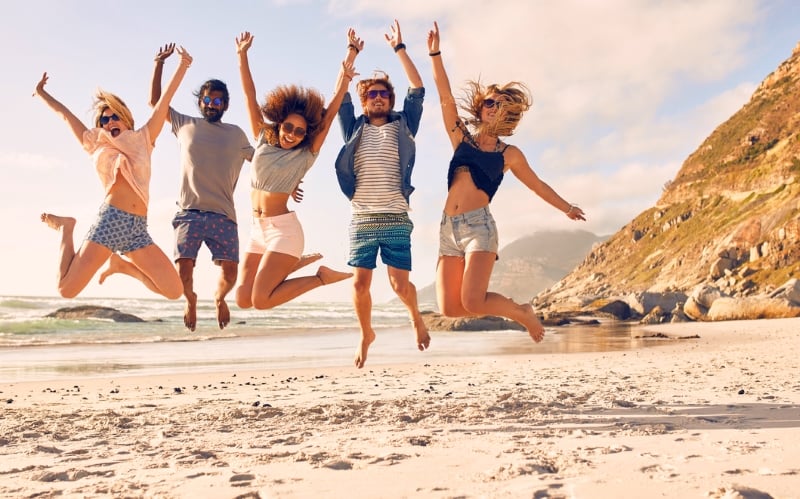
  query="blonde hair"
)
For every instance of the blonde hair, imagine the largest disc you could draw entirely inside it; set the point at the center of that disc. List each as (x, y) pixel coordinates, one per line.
(509, 113)
(106, 100)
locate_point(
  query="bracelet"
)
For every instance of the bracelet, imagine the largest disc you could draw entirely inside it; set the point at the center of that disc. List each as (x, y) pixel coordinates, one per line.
(399, 47)
(160, 61)
(352, 46)
(571, 207)
(434, 54)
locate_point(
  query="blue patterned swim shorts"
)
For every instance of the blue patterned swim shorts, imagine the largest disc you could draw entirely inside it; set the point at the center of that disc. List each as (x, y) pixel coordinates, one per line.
(119, 231)
(388, 232)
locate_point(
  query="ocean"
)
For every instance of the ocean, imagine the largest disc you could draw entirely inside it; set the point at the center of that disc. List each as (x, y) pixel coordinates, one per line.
(297, 334)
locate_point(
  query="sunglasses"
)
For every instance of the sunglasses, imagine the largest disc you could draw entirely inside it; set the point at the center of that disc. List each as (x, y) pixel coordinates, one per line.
(490, 103)
(105, 119)
(297, 131)
(216, 101)
(374, 93)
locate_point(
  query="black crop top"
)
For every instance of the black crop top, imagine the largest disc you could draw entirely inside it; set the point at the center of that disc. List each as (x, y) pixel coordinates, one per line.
(486, 168)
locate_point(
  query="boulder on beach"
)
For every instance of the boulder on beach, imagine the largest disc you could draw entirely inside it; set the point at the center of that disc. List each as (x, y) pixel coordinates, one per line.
(93, 312)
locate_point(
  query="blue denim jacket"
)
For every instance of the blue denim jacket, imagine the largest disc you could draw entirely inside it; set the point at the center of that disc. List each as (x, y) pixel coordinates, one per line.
(352, 128)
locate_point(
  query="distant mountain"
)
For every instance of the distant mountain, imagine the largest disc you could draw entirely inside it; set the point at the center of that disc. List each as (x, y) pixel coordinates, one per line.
(533, 263)
(730, 218)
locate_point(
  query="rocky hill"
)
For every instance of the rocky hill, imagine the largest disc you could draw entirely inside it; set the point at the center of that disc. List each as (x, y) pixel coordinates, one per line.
(730, 218)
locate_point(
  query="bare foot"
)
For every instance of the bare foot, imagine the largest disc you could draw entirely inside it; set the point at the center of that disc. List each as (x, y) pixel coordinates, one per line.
(56, 222)
(223, 314)
(361, 353)
(329, 276)
(115, 263)
(190, 312)
(423, 338)
(532, 323)
(306, 260)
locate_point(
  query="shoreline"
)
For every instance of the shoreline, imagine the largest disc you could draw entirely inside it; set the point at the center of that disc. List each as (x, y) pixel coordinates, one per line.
(692, 418)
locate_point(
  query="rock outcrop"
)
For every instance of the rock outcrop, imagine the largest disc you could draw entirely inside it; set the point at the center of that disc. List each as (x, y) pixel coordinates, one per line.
(93, 312)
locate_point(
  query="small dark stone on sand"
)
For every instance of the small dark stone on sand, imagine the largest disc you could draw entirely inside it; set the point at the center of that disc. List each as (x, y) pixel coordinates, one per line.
(741, 392)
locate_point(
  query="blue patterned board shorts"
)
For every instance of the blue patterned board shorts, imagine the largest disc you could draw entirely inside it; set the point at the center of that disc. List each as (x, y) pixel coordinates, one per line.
(195, 227)
(118, 230)
(388, 232)
(471, 231)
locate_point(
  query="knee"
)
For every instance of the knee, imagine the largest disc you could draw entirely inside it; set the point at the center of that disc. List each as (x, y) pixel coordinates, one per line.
(243, 299)
(402, 288)
(67, 292)
(360, 287)
(473, 304)
(261, 303)
(229, 274)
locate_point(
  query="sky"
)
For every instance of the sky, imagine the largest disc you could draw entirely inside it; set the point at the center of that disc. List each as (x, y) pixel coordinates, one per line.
(624, 91)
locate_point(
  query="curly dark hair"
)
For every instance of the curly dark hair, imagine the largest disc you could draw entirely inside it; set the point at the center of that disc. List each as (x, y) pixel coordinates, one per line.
(293, 99)
(517, 100)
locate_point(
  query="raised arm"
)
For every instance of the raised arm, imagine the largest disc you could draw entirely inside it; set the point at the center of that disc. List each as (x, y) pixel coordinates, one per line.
(519, 166)
(243, 43)
(396, 42)
(346, 75)
(155, 84)
(73, 122)
(161, 108)
(446, 99)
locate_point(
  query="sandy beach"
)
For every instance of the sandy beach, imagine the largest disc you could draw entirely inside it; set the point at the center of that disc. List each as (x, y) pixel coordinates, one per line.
(710, 416)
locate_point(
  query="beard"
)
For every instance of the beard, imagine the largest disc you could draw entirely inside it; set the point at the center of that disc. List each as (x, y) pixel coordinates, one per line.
(211, 114)
(378, 113)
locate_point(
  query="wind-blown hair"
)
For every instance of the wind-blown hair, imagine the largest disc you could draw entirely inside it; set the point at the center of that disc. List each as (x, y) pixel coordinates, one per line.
(379, 78)
(293, 99)
(106, 100)
(517, 100)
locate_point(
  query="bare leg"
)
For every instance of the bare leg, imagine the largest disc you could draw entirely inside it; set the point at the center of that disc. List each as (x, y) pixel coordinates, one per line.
(247, 275)
(186, 272)
(477, 301)
(226, 282)
(407, 293)
(272, 288)
(75, 269)
(362, 302)
(306, 259)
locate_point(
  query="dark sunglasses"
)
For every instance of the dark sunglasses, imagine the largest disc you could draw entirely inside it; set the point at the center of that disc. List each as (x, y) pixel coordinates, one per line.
(490, 103)
(105, 119)
(216, 101)
(374, 93)
(297, 131)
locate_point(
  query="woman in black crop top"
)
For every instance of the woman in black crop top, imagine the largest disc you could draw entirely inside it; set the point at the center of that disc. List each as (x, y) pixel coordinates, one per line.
(468, 240)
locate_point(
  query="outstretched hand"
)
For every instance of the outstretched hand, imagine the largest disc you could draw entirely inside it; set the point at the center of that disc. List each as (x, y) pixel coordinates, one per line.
(186, 59)
(433, 38)
(349, 70)
(165, 52)
(576, 213)
(243, 42)
(354, 40)
(40, 86)
(396, 37)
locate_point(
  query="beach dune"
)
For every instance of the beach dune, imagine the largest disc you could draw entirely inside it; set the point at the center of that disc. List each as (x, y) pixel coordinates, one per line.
(711, 416)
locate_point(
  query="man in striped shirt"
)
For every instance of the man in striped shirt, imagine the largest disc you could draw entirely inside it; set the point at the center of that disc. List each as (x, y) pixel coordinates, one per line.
(374, 172)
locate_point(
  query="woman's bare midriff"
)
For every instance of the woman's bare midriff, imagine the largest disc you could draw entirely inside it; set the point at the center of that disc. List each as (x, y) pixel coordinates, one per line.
(123, 197)
(463, 196)
(269, 204)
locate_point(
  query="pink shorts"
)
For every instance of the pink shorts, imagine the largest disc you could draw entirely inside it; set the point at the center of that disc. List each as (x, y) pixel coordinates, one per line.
(280, 234)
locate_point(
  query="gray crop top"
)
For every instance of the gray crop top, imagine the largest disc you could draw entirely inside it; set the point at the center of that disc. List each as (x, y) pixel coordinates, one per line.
(279, 170)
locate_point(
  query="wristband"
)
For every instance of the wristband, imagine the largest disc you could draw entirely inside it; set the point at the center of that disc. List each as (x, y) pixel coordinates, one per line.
(399, 46)
(352, 46)
(434, 54)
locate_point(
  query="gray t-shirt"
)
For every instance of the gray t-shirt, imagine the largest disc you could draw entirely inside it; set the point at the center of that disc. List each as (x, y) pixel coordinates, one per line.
(212, 155)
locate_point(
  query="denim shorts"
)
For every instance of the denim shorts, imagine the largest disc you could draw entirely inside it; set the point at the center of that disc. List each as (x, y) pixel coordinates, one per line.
(471, 231)
(388, 232)
(280, 234)
(119, 231)
(195, 227)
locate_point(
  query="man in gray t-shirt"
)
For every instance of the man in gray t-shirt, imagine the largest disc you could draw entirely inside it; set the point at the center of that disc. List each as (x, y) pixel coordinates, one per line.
(212, 155)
